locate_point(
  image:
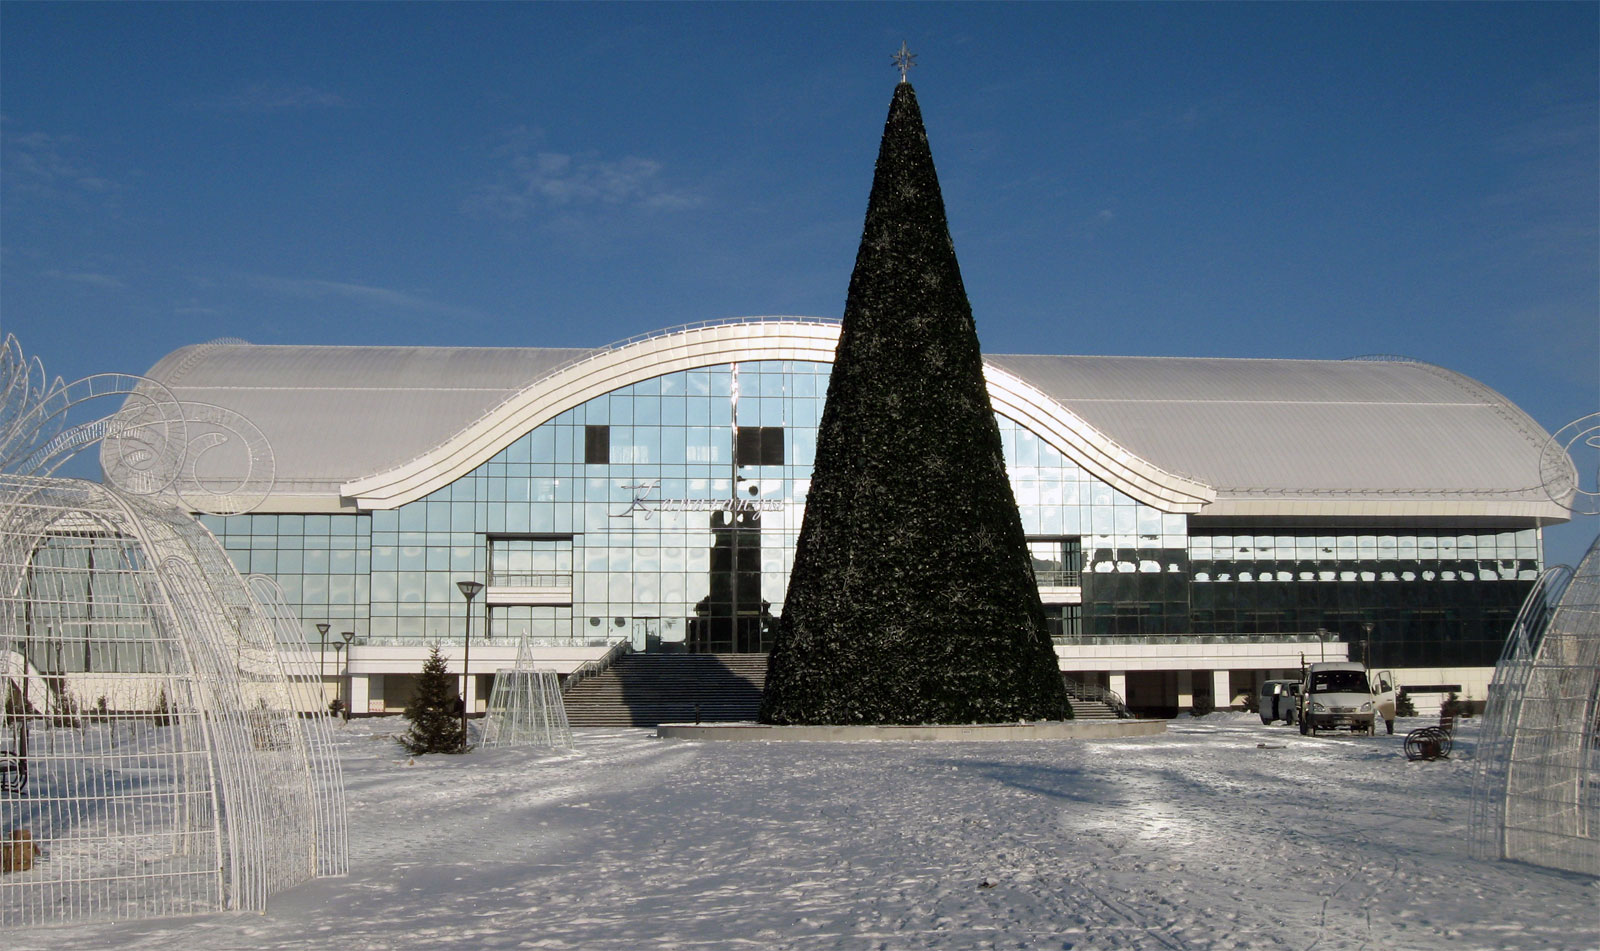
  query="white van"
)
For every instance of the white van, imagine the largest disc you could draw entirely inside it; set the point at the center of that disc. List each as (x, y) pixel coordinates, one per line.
(1278, 700)
(1345, 696)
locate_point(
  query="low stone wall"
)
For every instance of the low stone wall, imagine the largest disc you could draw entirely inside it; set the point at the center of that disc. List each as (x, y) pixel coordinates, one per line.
(954, 733)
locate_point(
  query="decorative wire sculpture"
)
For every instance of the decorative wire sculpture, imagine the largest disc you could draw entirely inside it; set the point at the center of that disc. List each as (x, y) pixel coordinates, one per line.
(1559, 474)
(1536, 787)
(526, 709)
(154, 759)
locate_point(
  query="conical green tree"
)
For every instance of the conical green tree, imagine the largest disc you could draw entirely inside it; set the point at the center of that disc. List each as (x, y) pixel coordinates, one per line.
(435, 719)
(912, 598)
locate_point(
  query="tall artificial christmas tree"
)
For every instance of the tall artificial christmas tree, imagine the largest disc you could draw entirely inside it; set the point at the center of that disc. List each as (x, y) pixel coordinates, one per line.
(435, 718)
(912, 598)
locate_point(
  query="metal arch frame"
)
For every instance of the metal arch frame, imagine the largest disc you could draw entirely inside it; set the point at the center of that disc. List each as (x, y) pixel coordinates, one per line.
(252, 782)
(333, 842)
(239, 794)
(1536, 790)
(1487, 816)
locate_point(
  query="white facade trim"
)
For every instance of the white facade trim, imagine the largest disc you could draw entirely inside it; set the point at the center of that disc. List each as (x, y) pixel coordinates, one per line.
(577, 383)
(776, 339)
(1390, 505)
(1093, 450)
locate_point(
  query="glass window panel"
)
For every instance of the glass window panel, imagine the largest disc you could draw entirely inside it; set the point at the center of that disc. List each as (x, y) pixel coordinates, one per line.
(621, 410)
(411, 584)
(314, 589)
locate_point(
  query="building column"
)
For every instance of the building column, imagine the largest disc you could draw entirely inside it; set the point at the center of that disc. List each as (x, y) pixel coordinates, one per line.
(1118, 684)
(1185, 690)
(360, 693)
(1221, 689)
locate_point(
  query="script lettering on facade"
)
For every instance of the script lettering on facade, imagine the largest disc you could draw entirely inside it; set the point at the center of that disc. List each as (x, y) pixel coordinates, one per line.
(642, 502)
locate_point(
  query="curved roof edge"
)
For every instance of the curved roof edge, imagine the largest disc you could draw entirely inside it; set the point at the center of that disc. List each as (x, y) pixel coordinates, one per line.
(1091, 449)
(642, 358)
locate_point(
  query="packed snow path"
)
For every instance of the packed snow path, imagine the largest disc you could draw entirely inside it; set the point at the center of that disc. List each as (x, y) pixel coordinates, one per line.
(1221, 834)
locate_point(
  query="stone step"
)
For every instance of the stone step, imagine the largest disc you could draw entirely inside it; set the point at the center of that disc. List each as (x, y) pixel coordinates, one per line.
(648, 689)
(1092, 710)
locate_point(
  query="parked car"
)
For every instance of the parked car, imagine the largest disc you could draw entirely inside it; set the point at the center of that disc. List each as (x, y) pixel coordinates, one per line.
(1346, 696)
(1278, 700)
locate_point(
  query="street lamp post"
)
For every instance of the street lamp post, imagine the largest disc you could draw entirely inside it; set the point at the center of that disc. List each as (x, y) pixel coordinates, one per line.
(469, 590)
(322, 662)
(350, 687)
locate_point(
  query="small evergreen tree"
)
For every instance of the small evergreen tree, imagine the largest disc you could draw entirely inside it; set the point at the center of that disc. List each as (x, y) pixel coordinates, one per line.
(435, 724)
(1404, 706)
(162, 715)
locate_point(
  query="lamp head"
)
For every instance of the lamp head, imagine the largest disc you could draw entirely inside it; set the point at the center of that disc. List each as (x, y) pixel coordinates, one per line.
(348, 636)
(469, 589)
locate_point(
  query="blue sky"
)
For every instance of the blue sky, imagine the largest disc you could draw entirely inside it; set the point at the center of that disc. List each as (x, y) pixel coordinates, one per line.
(1283, 180)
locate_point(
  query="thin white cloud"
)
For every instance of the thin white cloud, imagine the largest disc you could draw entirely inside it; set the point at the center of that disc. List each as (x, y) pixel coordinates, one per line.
(1550, 183)
(377, 298)
(86, 277)
(534, 180)
(45, 165)
(274, 97)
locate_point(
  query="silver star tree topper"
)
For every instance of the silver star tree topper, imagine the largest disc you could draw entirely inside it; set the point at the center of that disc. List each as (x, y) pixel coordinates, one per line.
(904, 59)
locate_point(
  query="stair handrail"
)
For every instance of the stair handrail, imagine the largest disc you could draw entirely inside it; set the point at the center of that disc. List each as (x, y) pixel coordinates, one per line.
(1096, 693)
(599, 665)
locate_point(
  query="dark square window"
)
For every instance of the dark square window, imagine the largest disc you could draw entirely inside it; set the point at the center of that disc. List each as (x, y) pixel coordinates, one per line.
(597, 445)
(759, 446)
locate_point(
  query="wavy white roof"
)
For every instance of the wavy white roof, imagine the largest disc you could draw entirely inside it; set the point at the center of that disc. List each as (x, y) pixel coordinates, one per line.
(1217, 436)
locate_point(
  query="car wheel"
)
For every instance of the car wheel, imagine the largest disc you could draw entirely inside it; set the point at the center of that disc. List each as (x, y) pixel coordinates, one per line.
(1265, 722)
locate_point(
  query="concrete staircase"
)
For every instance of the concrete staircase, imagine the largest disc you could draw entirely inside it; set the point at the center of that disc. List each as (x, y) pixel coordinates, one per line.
(1092, 710)
(1094, 702)
(648, 689)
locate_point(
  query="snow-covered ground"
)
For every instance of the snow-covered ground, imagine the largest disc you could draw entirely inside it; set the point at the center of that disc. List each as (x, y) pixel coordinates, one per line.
(1221, 834)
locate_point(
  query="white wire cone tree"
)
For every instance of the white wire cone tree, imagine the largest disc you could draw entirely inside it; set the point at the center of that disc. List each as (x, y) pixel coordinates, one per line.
(526, 707)
(154, 759)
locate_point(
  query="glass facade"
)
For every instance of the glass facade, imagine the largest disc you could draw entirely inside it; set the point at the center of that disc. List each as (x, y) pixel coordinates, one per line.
(1425, 595)
(666, 512)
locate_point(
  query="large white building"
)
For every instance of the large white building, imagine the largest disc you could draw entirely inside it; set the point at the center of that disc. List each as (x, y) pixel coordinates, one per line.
(1197, 524)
